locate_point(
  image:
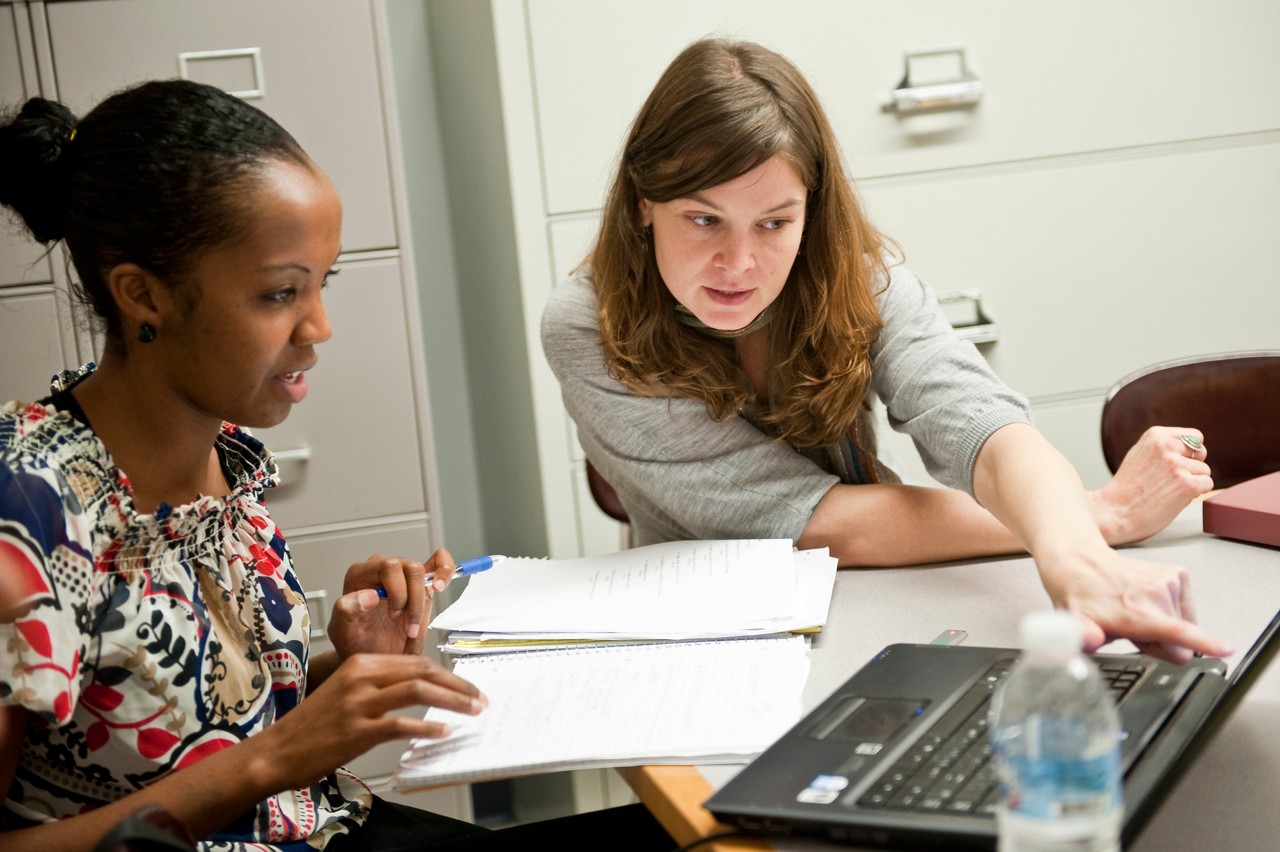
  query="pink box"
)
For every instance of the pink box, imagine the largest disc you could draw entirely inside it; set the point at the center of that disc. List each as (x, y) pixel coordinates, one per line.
(1249, 511)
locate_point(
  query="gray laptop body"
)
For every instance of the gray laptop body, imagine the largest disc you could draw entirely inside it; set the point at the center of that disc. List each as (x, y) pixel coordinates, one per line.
(863, 766)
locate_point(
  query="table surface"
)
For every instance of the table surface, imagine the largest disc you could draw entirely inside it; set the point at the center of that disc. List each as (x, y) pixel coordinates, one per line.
(1225, 800)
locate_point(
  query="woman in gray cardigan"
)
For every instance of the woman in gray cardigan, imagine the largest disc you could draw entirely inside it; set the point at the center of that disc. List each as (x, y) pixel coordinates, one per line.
(719, 349)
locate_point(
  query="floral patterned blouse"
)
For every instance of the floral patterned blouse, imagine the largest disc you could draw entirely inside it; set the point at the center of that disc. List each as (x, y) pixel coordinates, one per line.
(152, 641)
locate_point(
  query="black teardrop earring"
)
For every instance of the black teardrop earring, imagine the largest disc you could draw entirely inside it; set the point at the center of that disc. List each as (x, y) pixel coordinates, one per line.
(146, 332)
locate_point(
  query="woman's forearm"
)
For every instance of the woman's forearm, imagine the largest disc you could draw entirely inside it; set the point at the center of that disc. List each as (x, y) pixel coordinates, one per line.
(1034, 491)
(889, 525)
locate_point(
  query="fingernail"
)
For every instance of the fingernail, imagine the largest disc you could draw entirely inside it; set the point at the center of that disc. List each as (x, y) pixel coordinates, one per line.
(412, 631)
(445, 730)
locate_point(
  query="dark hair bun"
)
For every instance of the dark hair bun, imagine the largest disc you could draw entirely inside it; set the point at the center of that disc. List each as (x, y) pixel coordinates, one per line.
(33, 166)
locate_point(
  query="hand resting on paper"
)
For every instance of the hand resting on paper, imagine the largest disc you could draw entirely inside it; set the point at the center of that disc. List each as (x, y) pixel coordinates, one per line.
(351, 713)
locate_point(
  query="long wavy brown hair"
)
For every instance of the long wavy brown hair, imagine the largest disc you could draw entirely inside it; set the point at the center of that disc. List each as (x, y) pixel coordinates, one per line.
(720, 110)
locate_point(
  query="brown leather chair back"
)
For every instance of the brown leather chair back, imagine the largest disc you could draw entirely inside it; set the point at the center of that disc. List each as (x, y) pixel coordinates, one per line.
(604, 495)
(1233, 398)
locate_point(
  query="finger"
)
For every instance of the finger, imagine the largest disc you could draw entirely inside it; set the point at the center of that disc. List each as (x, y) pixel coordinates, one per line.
(415, 729)
(1196, 466)
(413, 575)
(1186, 604)
(420, 693)
(366, 697)
(1192, 443)
(1178, 431)
(443, 566)
(1175, 639)
(363, 575)
(382, 670)
(413, 645)
(378, 727)
(392, 579)
(355, 605)
(1177, 656)
(1094, 637)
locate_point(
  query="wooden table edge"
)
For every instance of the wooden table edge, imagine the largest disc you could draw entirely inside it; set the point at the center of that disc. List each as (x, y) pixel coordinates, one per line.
(674, 795)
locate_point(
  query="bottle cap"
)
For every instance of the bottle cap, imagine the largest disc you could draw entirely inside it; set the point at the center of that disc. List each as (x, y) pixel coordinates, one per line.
(1052, 630)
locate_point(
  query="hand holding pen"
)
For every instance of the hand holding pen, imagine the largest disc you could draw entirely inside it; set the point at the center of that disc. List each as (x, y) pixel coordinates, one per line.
(465, 568)
(386, 601)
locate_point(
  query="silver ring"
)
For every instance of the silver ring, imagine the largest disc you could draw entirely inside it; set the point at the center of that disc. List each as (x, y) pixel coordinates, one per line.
(1193, 443)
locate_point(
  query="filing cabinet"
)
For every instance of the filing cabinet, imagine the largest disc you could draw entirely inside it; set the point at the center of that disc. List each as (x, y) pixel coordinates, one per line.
(356, 458)
(35, 319)
(1111, 194)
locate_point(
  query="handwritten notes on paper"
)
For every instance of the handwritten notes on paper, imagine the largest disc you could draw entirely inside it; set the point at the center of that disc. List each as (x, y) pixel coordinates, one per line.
(676, 588)
(616, 705)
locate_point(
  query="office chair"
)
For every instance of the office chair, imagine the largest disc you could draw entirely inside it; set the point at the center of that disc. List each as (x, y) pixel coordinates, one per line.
(604, 495)
(1232, 397)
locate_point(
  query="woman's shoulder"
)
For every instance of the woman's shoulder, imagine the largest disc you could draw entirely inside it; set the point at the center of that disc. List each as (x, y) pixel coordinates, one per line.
(571, 328)
(575, 295)
(41, 434)
(572, 307)
(49, 429)
(901, 292)
(245, 459)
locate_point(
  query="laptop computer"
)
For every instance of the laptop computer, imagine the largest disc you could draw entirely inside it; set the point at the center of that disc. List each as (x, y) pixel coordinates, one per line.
(895, 756)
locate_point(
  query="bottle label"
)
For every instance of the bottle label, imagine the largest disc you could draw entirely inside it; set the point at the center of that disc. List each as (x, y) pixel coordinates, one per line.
(1053, 788)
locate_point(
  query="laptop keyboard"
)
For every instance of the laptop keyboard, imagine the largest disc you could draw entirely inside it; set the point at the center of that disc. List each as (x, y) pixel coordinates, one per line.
(950, 769)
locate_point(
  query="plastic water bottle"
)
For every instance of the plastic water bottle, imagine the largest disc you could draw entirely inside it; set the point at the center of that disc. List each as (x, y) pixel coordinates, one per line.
(1055, 735)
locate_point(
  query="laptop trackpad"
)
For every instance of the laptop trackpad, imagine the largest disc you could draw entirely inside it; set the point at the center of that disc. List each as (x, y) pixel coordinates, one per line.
(870, 721)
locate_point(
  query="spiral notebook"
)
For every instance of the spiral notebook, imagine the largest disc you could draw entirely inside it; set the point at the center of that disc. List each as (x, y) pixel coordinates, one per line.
(858, 768)
(615, 705)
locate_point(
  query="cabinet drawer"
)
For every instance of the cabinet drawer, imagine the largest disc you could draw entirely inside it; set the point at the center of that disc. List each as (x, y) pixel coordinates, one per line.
(21, 260)
(15, 87)
(357, 428)
(319, 77)
(35, 342)
(1100, 269)
(1059, 77)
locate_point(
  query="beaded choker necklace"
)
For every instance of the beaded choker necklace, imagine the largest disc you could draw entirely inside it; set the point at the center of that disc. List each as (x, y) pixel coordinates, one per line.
(686, 317)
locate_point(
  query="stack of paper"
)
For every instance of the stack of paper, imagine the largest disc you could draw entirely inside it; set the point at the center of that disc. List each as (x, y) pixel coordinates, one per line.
(615, 705)
(676, 652)
(665, 592)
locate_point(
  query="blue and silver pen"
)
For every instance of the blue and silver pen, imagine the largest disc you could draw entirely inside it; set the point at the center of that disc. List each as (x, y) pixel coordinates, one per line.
(466, 568)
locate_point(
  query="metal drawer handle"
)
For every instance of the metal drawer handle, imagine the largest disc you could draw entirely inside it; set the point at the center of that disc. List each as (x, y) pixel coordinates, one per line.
(289, 464)
(963, 309)
(253, 54)
(301, 454)
(951, 83)
(316, 601)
